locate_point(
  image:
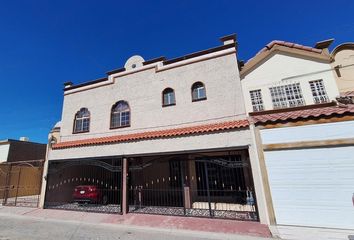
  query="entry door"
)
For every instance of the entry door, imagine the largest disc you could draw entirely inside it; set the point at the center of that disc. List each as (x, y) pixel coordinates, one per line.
(312, 187)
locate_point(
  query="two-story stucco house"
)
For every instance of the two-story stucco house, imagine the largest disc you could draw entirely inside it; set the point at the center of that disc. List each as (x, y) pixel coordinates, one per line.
(304, 139)
(285, 75)
(160, 136)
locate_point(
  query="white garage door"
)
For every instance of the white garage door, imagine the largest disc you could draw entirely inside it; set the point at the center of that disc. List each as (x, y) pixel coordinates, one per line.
(312, 187)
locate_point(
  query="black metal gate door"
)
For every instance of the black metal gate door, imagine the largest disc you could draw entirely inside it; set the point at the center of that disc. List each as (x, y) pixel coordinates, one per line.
(217, 185)
(155, 186)
(90, 185)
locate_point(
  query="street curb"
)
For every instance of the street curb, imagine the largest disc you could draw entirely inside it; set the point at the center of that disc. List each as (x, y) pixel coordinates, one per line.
(207, 235)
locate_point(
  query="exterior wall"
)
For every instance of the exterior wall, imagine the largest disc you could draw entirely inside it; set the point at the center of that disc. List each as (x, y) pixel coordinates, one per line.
(280, 69)
(14, 151)
(259, 180)
(239, 138)
(345, 58)
(4, 152)
(25, 151)
(143, 91)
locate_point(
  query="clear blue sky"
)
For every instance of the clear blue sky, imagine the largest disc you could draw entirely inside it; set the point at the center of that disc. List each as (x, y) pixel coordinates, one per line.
(45, 43)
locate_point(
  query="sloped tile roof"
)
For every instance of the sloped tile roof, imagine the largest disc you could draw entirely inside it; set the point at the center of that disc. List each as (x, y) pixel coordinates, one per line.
(283, 46)
(303, 114)
(289, 45)
(199, 129)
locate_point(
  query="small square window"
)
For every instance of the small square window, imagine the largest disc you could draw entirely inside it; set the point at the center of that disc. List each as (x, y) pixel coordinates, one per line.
(257, 101)
(318, 91)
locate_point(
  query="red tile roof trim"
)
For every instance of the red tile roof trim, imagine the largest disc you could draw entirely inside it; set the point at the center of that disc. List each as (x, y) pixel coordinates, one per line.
(199, 129)
(273, 43)
(290, 45)
(303, 114)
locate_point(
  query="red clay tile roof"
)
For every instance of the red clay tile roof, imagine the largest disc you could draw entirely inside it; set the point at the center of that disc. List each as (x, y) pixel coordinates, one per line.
(199, 129)
(290, 45)
(303, 114)
(273, 43)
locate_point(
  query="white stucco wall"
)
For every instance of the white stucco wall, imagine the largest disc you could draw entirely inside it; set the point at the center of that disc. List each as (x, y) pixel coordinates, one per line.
(143, 91)
(4, 152)
(282, 69)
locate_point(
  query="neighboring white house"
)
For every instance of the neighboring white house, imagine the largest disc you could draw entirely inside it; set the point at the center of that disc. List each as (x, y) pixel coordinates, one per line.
(284, 75)
(304, 139)
(177, 127)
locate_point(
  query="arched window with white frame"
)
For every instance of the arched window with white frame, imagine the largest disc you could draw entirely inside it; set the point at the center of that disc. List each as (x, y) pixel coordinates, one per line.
(120, 115)
(168, 97)
(82, 121)
(198, 92)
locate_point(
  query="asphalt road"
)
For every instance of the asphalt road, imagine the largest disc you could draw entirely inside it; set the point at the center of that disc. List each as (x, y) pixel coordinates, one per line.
(18, 227)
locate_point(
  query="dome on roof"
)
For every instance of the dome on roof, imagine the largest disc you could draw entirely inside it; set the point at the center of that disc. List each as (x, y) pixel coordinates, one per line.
(134, 62)
(57, 125)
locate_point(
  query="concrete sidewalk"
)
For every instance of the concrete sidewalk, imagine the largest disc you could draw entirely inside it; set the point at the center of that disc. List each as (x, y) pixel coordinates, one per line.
(197, 228)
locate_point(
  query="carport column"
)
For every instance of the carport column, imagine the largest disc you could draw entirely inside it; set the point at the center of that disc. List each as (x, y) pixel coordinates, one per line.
(124, 187)
(44, 179)
(260, 178)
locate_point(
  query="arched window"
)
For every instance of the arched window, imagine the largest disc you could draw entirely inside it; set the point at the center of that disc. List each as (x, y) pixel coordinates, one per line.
(82, 121)
(168, 97)
(198, 92)
(120, 115)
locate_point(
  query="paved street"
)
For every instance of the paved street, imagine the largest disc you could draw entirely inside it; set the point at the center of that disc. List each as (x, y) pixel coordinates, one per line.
(24, 227)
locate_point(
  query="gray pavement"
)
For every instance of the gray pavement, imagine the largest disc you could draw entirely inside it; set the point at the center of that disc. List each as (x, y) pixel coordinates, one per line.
(25, 227)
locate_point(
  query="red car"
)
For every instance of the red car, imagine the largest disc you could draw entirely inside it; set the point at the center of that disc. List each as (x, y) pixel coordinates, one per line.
(89, 194)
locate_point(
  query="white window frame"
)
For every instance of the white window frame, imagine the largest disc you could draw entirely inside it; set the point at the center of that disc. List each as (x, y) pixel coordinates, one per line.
(122, 117)
(82, 124)
(168, 97)
(198, 93)
(256, 100)
(286, 96)
(319, 92)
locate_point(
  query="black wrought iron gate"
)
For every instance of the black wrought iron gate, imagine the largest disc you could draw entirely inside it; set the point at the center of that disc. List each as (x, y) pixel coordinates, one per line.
(92, 185)
(217, 185)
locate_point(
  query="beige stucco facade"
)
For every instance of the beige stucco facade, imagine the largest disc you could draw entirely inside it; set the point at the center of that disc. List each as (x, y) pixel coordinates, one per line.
(343, 64)
(141, 86)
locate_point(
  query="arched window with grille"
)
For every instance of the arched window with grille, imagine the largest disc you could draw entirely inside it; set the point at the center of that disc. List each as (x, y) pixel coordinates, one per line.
(120, 115)
(168, 97)
(198, 92)
(82, 121)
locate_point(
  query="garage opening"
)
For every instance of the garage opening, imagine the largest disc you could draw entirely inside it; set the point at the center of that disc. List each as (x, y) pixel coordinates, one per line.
(216, 185)
(85, 185)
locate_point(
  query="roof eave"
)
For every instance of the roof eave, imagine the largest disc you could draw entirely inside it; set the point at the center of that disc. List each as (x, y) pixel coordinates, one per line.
(277, 49)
